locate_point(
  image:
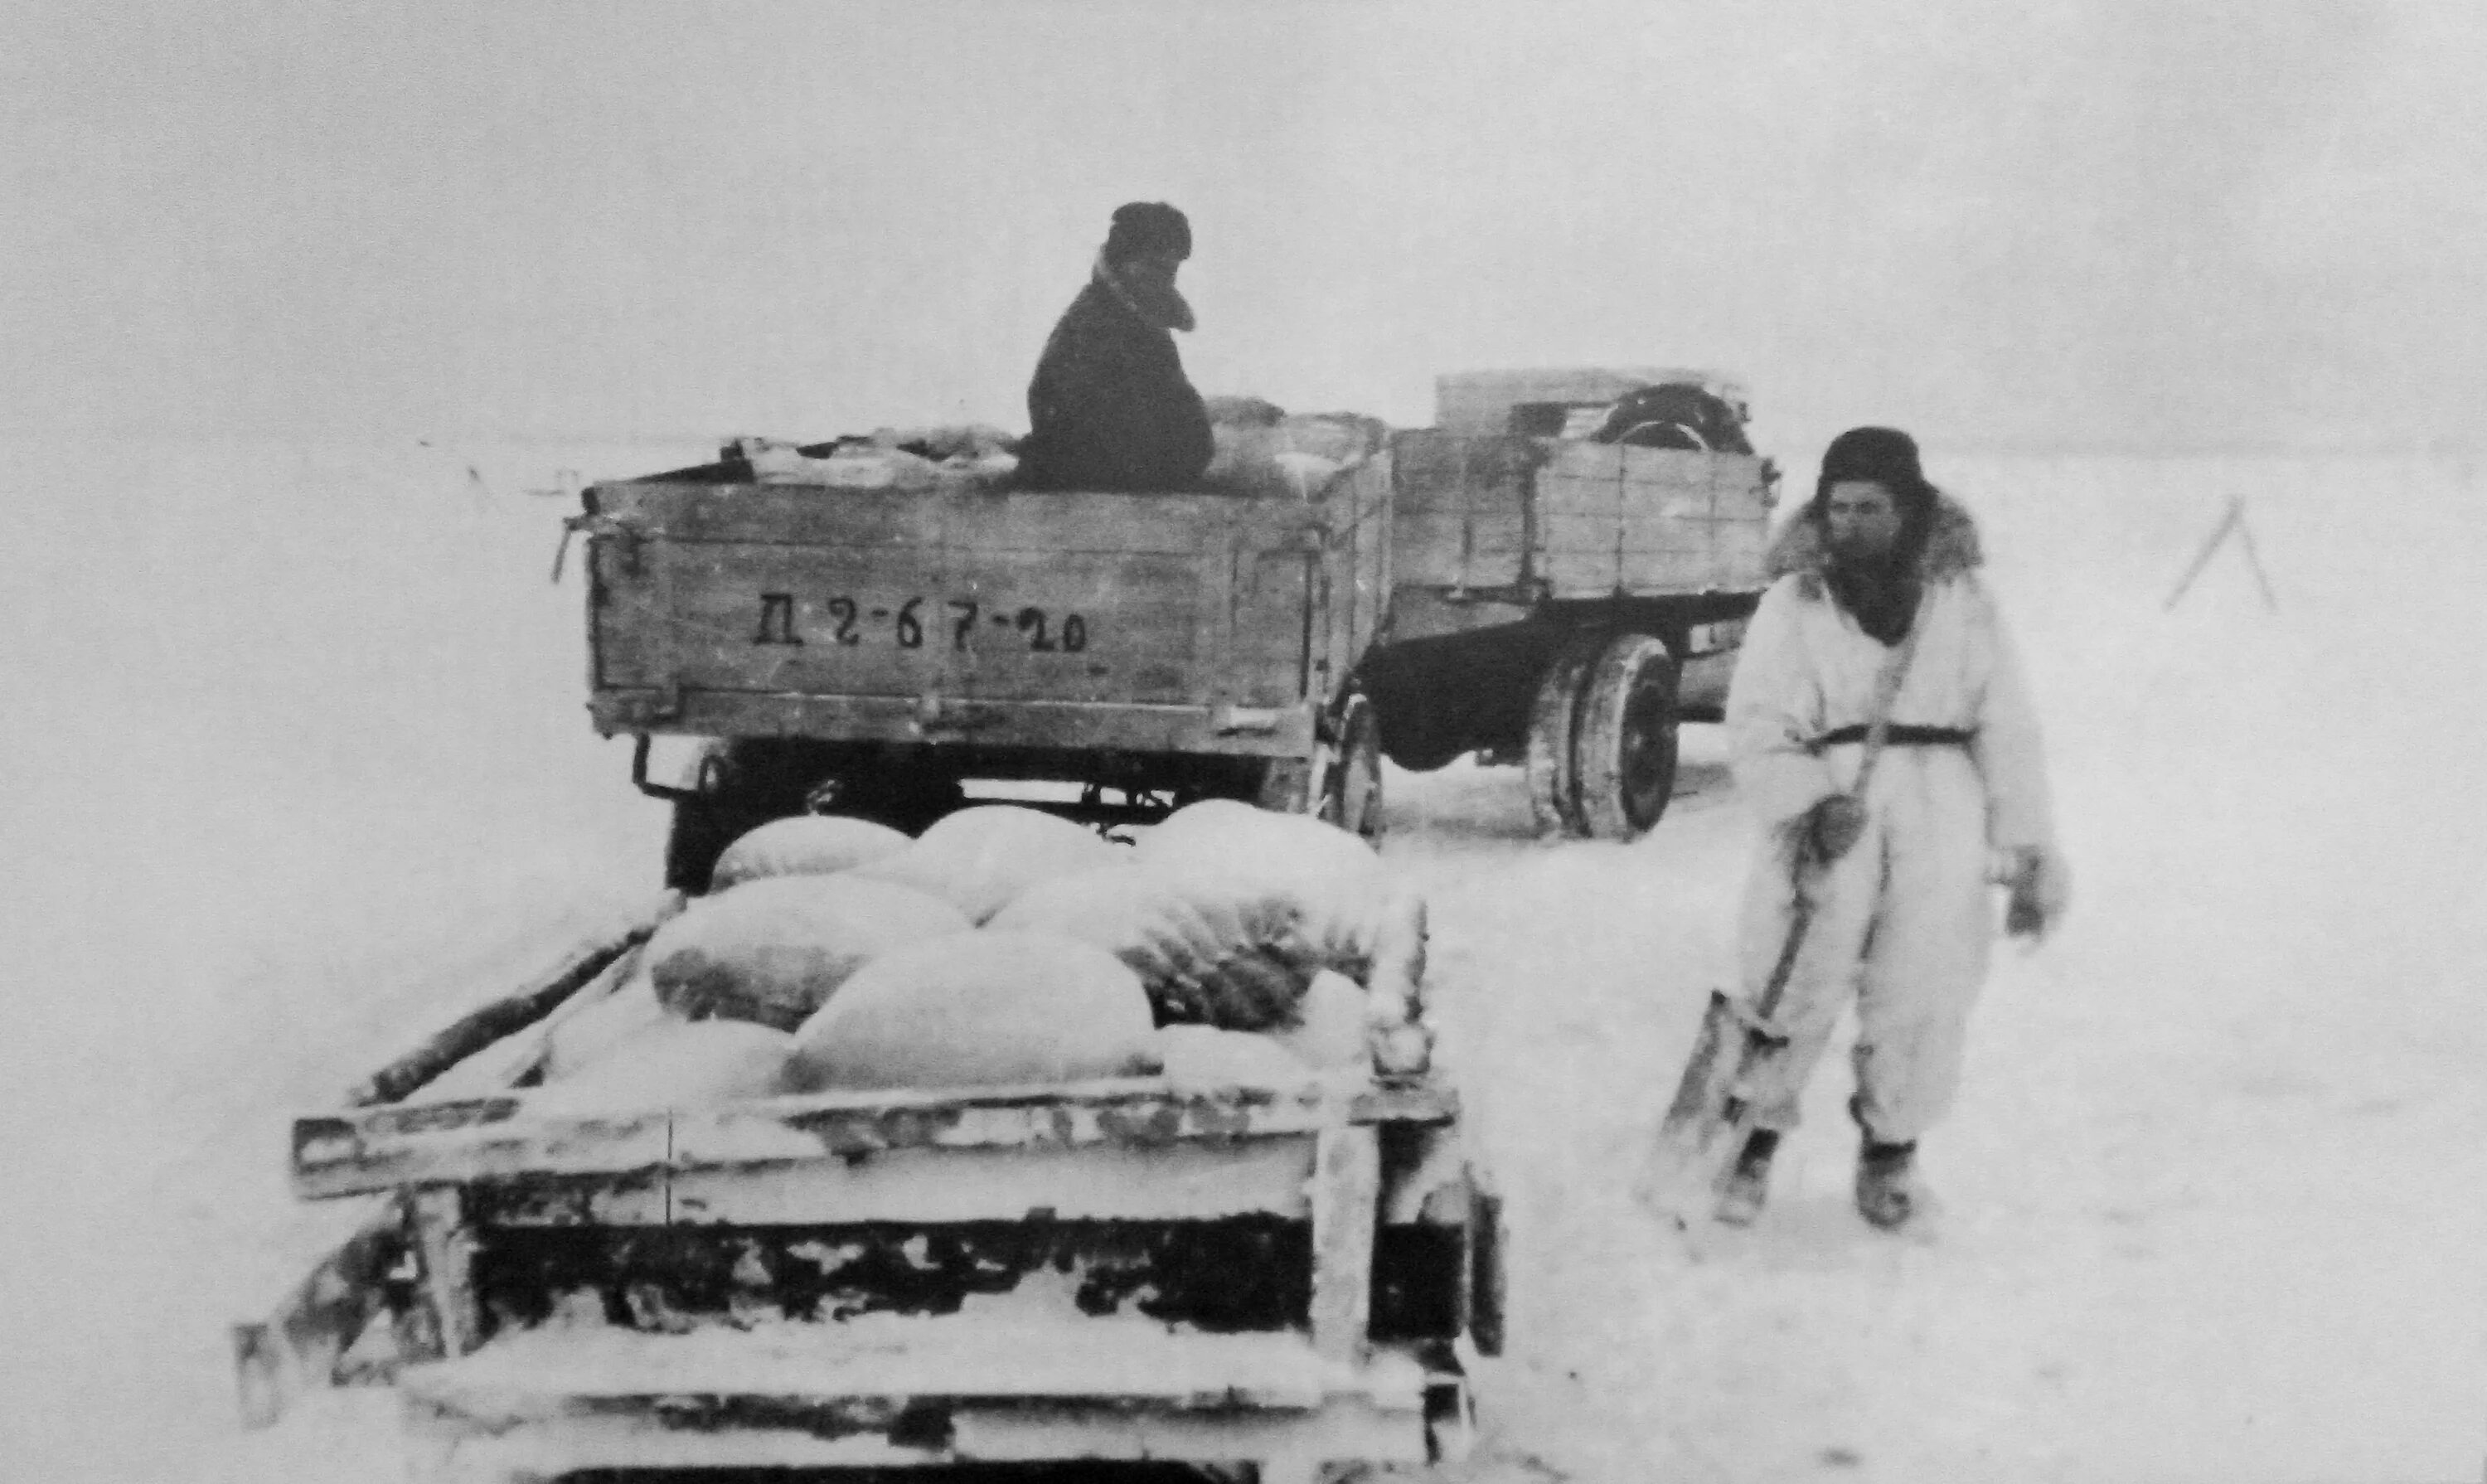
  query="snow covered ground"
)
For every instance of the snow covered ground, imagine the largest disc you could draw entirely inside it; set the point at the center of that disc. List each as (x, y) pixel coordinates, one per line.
(299, 767)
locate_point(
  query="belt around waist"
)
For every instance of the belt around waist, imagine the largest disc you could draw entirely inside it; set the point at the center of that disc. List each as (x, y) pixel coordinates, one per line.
(1900, 736)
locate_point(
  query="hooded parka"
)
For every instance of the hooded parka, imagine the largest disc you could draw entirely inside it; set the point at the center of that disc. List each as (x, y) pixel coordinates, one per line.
(1904, 920)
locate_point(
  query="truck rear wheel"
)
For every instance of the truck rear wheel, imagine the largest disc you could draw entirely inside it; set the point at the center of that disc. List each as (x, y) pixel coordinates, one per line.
(1623, 738)
(1553, 780)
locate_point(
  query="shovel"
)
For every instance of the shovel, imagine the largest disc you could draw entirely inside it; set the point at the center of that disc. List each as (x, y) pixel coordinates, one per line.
(1711, 1112)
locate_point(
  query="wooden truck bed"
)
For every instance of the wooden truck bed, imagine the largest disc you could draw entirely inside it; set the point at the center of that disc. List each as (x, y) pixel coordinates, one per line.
(1123, 1269)
(1161, 623)
(1510, 552)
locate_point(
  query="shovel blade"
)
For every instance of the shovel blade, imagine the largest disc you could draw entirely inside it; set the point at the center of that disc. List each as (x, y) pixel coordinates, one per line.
(1693, 1138)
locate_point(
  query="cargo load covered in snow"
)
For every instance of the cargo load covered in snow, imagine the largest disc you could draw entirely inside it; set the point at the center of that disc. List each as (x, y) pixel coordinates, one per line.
(978, 1206)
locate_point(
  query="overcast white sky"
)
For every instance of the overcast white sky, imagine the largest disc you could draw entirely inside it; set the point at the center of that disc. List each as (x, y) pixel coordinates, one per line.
(2036, 224)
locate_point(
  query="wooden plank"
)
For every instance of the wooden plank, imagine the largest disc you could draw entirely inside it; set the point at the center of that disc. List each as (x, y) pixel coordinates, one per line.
(969, 520)
(333, 1156)
(541, 1375)
(1192, 1182)
(1589, 557)
(1580, 571)
(1140, 1111)
(1437, 471)
(1352, 582)
(511, 1013)
(518, 1060)
(1349, 1428)
(1268, 649)
(1375, 1426)
(1076, 726)
(1461, 509)
(444, 1247)
(496, 1139)
(1462, 551)
(1651, 522)
(1346, 1191)
(673, 1433)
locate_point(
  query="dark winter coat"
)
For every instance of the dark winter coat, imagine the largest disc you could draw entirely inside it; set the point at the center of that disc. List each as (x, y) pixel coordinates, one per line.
(1109, 407)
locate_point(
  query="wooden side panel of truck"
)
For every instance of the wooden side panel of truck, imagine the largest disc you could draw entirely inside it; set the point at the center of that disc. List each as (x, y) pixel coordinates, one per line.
(1488, 518)
(1155, 623)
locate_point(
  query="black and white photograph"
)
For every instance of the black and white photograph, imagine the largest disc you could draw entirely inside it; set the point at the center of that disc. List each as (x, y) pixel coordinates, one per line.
(1243, 741)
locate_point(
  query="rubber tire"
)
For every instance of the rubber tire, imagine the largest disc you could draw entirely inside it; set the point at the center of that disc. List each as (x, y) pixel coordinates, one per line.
(1351, 783)
(1623, 738)
(1553, 781)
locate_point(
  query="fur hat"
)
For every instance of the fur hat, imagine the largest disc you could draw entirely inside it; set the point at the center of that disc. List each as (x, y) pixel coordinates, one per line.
(1884, 455)
(1147, 227)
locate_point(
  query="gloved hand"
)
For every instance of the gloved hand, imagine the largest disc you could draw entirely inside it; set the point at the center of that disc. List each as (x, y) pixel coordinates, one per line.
(1831, 828)
(2042, 887)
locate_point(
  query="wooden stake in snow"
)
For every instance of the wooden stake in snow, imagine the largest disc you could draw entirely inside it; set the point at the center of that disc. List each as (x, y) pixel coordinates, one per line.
(2233, 523)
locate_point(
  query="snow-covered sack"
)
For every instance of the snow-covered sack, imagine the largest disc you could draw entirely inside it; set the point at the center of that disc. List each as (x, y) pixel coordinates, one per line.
(772, 951)
(1347, 916)
(1203, 1058)
(1354, 917)
(979, 859)
(1210, 948)
(676, 1064)
(806, 845)
(980, 1009)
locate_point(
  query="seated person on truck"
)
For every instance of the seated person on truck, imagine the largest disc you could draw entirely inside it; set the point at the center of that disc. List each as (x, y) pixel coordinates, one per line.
(1109, 407)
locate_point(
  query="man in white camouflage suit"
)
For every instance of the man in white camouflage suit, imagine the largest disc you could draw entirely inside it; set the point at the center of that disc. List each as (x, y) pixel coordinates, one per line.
(1899, 881)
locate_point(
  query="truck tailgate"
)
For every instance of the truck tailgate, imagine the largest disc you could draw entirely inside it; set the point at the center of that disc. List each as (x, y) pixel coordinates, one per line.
(912, 615)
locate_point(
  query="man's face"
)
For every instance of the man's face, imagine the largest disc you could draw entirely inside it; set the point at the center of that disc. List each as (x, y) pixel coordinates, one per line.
(1152, 270)
(1863, 519)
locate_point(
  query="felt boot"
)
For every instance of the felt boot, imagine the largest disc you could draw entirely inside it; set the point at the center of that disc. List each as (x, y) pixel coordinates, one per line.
(1886, 1193)
(1748, 1183)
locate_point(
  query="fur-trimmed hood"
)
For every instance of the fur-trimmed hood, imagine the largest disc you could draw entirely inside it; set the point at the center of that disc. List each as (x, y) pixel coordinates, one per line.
(1951, 547)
